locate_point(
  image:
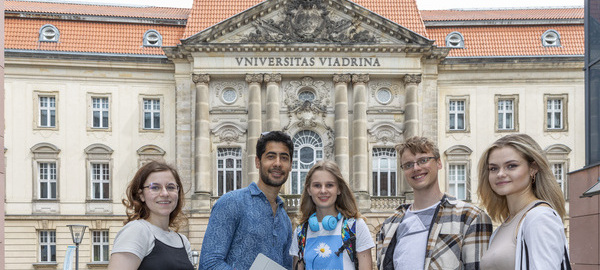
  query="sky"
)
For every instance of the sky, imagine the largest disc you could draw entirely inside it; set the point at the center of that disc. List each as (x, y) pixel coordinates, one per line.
(422, 4)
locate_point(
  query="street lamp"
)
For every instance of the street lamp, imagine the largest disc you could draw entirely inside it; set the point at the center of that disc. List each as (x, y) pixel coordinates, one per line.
(77, 232)
(195, 257)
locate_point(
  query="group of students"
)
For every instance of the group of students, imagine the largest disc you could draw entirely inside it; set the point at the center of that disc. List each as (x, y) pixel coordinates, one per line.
(436, 231)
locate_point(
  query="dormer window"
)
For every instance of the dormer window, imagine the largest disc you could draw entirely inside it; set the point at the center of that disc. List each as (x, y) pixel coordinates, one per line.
(455, 40)
(49, 33)
(152, 38)
(551, 38)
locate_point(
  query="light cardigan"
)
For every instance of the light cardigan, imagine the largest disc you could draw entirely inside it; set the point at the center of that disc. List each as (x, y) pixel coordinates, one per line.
(541, 241)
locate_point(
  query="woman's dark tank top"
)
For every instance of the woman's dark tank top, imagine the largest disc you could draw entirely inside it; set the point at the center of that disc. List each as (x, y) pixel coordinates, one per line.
(164, 257)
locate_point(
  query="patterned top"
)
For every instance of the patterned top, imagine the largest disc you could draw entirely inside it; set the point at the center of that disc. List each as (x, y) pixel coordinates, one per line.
(241, 226)
(458, 236)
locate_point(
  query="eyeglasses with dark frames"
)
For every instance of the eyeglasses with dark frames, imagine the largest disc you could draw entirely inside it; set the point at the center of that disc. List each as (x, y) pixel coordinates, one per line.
(157, 188)
(420, 161)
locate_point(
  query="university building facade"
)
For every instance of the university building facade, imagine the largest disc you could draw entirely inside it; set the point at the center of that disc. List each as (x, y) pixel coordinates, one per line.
(93, 92)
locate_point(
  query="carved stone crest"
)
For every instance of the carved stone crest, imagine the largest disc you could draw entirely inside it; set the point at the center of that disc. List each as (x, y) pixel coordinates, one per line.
(308, 21)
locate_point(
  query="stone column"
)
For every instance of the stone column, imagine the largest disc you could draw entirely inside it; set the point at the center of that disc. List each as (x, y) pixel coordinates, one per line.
(202, 161)
(411, 114)
(360, 160)
(273, 87)
(254, 124)
(342, 146)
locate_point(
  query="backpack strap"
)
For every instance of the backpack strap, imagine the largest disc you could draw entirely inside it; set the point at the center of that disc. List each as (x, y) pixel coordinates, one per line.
(301, 243)
(349, 239)
(523, 217)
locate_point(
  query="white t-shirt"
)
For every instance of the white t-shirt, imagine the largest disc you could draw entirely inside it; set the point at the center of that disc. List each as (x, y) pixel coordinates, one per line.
(411, 238)
(137, 237)
(320, 248)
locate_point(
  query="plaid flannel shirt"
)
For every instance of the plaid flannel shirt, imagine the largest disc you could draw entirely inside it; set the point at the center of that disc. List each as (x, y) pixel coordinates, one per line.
(458, 236)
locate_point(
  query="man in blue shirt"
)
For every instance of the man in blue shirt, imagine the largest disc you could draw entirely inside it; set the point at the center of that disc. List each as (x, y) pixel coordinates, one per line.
(251, 220)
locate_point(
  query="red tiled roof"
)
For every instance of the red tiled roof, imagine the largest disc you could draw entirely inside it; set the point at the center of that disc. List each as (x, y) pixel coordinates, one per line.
(97, 10)
(511, 40)
(206, 13)
(502, 14)
(95, 37)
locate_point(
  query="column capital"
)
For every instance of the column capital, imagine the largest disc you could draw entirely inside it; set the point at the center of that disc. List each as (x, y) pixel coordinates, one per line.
(254, 78)
(412, 78)
(200, 78)
(271, 78)
(341, 78)
(360, 78)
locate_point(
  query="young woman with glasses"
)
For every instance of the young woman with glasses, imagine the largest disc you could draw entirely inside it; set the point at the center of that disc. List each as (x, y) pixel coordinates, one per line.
(518, 188)
(149, 239)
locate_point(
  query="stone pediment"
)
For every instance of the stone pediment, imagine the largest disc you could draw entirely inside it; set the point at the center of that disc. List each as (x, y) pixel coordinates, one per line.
(307, 21)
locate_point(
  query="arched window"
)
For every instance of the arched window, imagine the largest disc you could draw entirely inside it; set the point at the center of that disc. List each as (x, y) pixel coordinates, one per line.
(308, 148)
(229, 169)
(49, 33)
(455, 40)
(551, 38)
(152, 38)
(384, 171)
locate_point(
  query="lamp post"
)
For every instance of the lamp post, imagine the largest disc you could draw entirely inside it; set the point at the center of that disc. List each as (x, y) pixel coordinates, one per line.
(195, 257)
(77, 232)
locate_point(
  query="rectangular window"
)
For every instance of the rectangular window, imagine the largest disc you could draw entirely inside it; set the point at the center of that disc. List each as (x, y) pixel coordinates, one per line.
(151, 113)
(100, 112)
(47, 246)
(100, 246)
(457, 181)
(554, 114)
(456, 113)
(559, 174)
(506, 114)
(100, 180)
(47, 180)
(384, 171)
(47, 113)
(229, 169)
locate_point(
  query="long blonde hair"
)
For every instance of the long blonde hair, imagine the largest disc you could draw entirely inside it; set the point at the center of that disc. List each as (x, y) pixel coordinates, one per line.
(544, 186)
(345, 202)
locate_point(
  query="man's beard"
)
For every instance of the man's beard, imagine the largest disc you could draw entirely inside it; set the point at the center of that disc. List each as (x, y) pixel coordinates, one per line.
(265, 178)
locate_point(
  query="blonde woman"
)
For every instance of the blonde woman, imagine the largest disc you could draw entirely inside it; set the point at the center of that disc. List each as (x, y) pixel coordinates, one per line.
(331, 234)
(517, 187)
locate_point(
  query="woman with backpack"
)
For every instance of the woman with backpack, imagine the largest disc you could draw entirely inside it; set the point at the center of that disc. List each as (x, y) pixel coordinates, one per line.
(331, 234)
(518, 188)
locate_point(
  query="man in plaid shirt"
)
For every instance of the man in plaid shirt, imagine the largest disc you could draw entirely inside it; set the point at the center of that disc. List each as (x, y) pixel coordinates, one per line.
(436, 231)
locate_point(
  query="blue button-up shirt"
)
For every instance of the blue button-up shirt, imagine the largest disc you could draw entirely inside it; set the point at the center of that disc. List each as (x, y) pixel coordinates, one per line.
(241, 226)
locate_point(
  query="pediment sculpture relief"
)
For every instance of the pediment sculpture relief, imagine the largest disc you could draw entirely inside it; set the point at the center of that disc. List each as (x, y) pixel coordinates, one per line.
(308, 21)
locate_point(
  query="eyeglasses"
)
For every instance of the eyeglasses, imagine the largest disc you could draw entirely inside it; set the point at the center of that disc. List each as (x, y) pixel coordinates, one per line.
(157, 188)
(264, 134)
(420, 161)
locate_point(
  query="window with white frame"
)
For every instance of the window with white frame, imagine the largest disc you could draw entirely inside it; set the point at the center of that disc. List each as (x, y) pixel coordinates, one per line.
(559, 173)
(554, 114)
(100, 246)
(455, 40)
(47, 180)
(506, 110)
(456, 115)
(47, 111)
(385, 168)
(308, 148)
(457, 181)
(100, 109)
(152, 38)
(45, 171)
(558, 157)
(100, 181)
(151, 113)
(229, 169)
(551, 38)
(47, 241)
(49, 33)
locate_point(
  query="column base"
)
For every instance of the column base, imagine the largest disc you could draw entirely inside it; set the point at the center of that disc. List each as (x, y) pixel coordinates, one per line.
(200, 203)
(363, 200)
